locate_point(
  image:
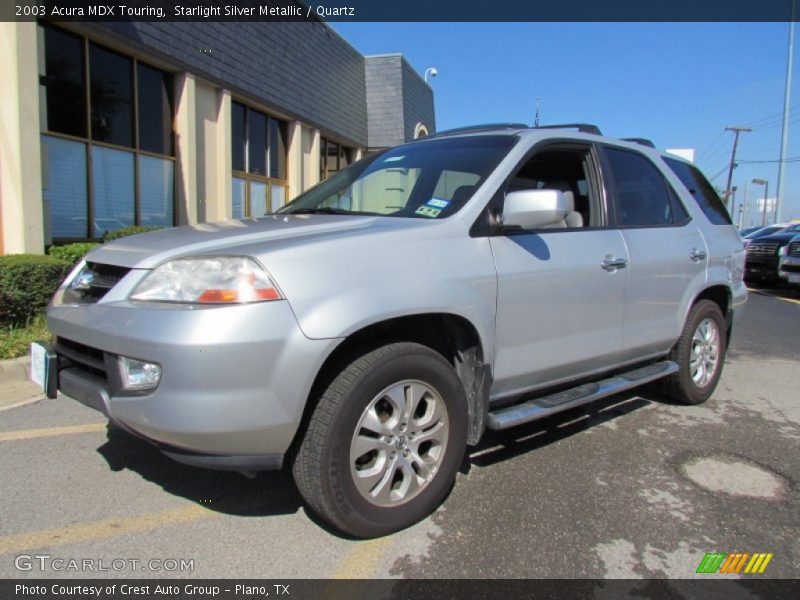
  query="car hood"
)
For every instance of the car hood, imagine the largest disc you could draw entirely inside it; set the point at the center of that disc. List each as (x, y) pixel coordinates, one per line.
(147, 250)
(781, 238)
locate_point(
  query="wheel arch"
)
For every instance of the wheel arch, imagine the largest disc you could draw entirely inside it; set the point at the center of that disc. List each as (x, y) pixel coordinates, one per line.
(721, 295)
(452, 336)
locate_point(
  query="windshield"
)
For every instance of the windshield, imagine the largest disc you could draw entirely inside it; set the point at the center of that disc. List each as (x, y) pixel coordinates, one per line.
(425, 180)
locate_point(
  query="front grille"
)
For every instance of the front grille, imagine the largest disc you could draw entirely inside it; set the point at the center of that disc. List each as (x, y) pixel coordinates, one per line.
(794, 249)
(790, 268)
(81, 356)
(762, 252)
(93, 282)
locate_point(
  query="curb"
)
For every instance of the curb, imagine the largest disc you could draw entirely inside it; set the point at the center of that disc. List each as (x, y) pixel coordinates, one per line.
(15, 387)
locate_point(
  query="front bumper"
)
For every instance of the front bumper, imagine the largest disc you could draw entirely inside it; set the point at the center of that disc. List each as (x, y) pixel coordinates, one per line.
(789, 269)
(234, 382)
(761, 270)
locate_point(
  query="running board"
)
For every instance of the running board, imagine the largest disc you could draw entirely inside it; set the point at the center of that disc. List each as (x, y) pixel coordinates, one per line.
(544, 406)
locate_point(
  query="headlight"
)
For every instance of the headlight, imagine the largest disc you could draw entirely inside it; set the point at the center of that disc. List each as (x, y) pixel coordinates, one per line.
(208, 280)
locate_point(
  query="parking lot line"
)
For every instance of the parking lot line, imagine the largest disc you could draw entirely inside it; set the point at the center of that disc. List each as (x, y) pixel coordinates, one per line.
(361, 561)
(29, 434)
(770, 294)
(101, 529)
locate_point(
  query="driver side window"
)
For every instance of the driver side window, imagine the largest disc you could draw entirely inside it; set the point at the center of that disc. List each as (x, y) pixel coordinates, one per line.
(565, 170)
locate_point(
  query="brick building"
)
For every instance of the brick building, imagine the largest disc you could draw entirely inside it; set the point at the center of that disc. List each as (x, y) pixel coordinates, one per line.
(104, 125)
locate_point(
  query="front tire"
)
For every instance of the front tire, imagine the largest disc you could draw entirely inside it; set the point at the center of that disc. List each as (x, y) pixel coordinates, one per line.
(700, 354)
(384, 442)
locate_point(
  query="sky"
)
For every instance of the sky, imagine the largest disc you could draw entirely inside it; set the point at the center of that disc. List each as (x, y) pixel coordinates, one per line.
(678, 84)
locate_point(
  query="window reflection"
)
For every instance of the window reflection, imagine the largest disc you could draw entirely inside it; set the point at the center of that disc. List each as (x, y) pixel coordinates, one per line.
(154, 89)
(65, 186)
(62, 78)
(116, 104)
(111, 95)
(156, 191)
(112, 180)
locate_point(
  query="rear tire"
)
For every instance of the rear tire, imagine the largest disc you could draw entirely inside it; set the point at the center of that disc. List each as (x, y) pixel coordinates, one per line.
(384, 442)
(700, 354)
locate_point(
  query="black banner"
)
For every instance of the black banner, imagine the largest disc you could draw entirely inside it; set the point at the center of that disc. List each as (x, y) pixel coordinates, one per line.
(401, 10)
(462, 589)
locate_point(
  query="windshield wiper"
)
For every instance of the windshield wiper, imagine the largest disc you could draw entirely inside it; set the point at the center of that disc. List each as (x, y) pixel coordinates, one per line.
(328, 210)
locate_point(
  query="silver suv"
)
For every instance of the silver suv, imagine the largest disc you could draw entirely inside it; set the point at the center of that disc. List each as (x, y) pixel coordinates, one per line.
(370, 330)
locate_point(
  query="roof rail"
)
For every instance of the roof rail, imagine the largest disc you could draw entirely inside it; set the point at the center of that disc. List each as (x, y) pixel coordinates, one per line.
(478, 128)
(641, 141)
(581, 127)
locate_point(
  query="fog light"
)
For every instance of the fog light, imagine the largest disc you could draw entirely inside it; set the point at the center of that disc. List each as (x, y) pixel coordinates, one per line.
(138, 374)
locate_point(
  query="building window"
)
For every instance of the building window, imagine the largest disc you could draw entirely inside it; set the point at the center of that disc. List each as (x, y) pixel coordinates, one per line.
(333, 158)
(258, 157)
(107, 138)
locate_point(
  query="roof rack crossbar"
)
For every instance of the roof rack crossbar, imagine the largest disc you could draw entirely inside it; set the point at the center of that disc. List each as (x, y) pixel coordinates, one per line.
(641, 141)
(479, 128)
(581, 127)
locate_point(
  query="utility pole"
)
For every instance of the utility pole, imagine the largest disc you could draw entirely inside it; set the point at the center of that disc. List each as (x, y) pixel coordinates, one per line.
(536, 118)
(736, 131)
(785, 126)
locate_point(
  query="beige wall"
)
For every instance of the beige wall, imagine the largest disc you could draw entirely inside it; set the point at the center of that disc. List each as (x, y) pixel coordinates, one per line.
(212, 152)
(20, 159)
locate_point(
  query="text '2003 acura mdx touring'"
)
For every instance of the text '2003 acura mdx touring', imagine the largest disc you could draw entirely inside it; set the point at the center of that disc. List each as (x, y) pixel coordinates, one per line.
(367, 332)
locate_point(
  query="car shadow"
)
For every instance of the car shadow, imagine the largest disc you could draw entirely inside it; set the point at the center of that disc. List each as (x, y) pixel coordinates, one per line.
(274, 492)
(269, 493)
(499, 446)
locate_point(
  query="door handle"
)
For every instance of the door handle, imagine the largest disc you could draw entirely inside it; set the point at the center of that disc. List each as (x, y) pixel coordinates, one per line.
(698, 255)
(612, 264)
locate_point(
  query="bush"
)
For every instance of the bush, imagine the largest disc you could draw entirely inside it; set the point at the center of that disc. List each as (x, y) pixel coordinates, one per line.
(27, 282)
(126, 231)
(71, 253)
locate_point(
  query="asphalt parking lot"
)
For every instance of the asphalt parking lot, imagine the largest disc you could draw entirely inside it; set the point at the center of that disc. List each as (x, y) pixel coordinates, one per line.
(633, 486)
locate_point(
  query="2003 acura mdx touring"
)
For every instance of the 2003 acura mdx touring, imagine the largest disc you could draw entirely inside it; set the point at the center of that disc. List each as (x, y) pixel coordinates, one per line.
(368, 331)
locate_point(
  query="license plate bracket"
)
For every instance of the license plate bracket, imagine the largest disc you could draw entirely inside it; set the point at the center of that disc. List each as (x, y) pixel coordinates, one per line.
(44, 368)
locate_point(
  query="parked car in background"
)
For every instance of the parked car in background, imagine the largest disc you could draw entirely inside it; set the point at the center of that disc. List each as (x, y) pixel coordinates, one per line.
(789, 262)
(763, 232)
(762, 256)
(748, 230)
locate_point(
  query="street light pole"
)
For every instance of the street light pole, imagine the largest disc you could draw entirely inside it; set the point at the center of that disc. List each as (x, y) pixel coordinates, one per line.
(432, 71)
(785, 126)
(765, 183)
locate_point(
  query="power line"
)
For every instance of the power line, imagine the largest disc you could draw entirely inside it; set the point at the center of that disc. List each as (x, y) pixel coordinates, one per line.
(792, 159)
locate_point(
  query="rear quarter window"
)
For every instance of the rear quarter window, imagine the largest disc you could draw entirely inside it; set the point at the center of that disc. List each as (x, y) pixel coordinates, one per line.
(701, 190)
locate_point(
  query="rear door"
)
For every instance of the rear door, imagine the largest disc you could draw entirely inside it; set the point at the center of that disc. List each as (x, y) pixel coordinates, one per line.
(667, 252)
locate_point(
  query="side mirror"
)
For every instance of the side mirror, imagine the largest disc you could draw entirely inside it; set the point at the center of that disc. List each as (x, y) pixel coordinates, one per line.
(531, 209)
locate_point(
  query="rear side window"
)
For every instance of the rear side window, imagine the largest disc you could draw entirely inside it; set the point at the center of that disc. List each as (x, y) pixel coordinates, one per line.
(643, 197)
(701, 190)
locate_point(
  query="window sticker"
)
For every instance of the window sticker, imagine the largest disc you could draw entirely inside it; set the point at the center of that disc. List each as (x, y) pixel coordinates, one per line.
(428, 211)
(438, 203)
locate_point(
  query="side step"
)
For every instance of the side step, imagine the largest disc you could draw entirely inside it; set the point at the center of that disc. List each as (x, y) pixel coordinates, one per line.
(547, 405)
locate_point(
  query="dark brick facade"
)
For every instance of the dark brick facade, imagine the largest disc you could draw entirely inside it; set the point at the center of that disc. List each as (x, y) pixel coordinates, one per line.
(304, 70)
(397, 99)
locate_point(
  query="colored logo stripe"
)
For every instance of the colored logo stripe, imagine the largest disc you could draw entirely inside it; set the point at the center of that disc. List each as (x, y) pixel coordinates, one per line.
(758, 563)
(718, 562)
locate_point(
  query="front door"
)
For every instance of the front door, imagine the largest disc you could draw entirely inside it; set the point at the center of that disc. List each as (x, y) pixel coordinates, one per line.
(561, 290)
